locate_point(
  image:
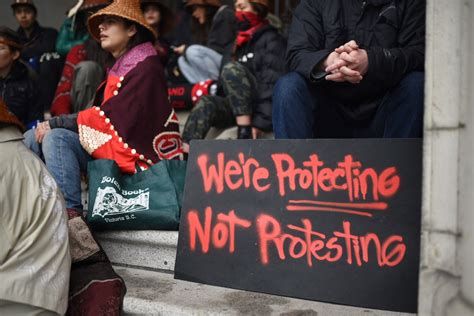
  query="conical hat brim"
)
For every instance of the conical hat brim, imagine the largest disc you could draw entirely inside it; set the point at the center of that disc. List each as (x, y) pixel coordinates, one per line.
(119, 10)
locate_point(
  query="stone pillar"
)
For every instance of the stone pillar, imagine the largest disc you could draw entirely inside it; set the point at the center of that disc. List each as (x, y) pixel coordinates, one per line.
(446, 280)
(463, 303)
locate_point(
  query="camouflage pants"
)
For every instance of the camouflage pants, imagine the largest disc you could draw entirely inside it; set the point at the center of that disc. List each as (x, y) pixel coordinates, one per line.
(239, 87)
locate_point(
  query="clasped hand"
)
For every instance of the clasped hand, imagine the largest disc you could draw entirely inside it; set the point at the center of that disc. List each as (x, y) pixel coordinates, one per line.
(347, 63)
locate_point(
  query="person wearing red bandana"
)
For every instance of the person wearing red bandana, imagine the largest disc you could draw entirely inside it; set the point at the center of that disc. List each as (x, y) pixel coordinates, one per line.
(249, 23)
(131, 121)
(247, 82)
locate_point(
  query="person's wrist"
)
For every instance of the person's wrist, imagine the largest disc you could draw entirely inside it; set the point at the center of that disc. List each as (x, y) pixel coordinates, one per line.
(325, 63)
(49, 124)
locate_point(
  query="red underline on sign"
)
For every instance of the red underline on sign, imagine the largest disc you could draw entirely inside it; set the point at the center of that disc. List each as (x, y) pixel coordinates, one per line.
(380, 206)
(302, 208)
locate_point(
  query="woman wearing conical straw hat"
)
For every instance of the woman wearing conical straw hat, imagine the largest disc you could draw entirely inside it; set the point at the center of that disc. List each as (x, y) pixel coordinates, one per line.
(131, 121)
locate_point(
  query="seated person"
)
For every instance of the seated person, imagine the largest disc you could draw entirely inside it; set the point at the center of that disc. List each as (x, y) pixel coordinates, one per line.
(247, 83)
(160, 17)
(84, 69)
(83, 72)
(131, 120)
(356, 71)
(35, 261)
(74, 32)
(18, 85)
(39, 50)
(214, 29)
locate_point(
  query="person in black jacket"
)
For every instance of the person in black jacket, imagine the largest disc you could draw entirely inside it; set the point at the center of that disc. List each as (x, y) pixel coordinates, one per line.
(356, 70)
(247, 83)
(214, 33)
(18, 87)
(39, 49)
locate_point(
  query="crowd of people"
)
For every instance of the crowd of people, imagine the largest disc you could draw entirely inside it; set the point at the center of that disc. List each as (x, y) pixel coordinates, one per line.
(100, 88)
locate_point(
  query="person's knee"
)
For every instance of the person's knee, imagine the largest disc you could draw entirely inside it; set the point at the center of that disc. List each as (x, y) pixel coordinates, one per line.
(287, 90)
(54, 139)
(200, 116)
(50, 140)
(234, 77)
(203, 108)
(193, 54)
(88, 67)
(231, 69)
(289, 86)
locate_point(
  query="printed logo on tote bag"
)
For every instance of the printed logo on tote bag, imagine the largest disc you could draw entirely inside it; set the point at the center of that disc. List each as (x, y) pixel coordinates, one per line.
(110, 203)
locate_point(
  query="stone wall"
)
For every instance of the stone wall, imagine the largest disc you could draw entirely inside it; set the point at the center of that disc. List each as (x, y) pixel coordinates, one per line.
(446, 280)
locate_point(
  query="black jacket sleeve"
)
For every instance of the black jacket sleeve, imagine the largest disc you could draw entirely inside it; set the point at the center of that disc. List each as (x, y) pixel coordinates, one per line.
(306, 40)
(270, 68)
(387, 66)
(68, 121)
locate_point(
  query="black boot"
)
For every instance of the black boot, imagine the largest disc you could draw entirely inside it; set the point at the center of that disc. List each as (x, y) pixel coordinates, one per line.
(244, 132)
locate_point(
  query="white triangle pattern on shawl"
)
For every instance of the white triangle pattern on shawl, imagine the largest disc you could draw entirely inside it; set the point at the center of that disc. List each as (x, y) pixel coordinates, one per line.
(92, 139)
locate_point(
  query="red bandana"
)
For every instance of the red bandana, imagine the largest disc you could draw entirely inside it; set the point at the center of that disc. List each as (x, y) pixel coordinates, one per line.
(255, 23)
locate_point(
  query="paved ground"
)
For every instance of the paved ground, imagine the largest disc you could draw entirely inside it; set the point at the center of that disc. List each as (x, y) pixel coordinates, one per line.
(157, 293)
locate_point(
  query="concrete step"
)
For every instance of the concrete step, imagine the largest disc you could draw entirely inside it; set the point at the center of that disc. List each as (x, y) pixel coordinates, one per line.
(143, 249)
(146, 260)
(158, 293)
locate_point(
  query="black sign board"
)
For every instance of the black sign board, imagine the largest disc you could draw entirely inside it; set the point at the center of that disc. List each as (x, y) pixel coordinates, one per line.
(328, 220)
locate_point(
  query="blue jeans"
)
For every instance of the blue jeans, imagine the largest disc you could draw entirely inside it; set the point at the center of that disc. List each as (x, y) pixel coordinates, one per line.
(65, 159)
(299, 113)
(200, 63)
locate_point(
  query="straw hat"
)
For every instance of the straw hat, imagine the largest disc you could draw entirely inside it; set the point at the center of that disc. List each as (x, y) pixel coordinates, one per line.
(213, 3)
(28, 3)
(6, 117)
(127, 9)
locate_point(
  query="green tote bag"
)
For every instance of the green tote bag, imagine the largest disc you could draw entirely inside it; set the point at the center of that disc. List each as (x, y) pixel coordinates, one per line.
(147, 200)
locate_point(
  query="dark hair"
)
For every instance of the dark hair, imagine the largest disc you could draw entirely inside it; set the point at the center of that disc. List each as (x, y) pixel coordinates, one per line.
(11, 36)
(94, 52)
(143, 35)
(201, 31)
(260, 9)
(164, 25)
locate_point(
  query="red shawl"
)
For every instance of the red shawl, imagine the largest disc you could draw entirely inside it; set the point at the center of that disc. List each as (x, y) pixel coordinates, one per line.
(135, 124)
